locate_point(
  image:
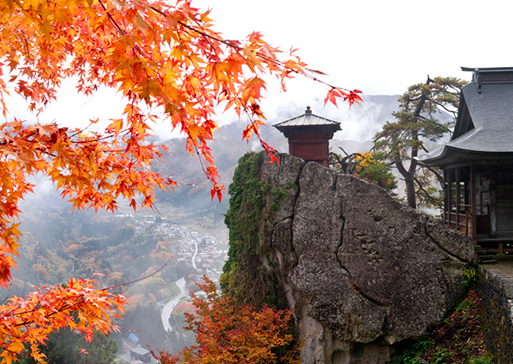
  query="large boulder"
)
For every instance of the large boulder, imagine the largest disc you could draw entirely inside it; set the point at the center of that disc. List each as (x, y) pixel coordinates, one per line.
(361, 270)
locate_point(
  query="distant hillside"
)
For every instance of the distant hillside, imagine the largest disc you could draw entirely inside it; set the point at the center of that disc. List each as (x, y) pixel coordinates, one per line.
(359, 125)
(193, 192)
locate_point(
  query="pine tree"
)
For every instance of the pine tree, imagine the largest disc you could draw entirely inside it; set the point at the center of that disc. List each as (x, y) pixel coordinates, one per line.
(420, 118)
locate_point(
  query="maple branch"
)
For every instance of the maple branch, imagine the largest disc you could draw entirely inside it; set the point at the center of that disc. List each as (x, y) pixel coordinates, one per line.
(118, 27)
(200, 158)
(68, 307)
(37, 307)
(121, 30)
(99, 138)
(138, 279)
(262, 56)
(205, 36)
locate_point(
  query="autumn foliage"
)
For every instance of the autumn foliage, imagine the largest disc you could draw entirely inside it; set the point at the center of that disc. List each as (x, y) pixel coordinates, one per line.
(169, 65)
(30, 320)
(230, 332)
(368, 166)
(371, 168)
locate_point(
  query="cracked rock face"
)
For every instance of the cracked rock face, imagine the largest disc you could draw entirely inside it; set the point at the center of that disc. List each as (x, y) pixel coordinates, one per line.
(361, 270)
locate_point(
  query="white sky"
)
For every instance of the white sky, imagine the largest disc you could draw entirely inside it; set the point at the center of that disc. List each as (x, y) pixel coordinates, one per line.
(377, 46)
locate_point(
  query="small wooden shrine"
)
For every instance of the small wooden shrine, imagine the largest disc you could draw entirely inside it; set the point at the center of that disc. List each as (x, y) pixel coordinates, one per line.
(478, 161)
(309, 136)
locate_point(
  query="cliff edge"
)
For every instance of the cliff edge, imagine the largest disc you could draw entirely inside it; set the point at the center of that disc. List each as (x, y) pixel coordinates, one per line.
(362, 271)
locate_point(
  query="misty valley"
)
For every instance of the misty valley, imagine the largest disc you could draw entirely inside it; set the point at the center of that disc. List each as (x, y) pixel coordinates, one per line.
(185, 232)
(116, 249)
(182, 239)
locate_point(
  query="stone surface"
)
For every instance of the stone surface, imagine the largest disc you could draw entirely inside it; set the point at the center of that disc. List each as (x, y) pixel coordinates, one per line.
(361, 270)
(495, 287)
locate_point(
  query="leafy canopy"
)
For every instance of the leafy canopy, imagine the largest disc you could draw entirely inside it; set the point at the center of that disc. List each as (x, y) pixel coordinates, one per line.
(68, 347)
(368, 166)
(169, 65)
(230, 332)
(419, 120)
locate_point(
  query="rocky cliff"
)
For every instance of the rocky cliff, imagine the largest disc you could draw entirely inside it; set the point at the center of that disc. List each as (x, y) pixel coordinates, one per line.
(362, 271)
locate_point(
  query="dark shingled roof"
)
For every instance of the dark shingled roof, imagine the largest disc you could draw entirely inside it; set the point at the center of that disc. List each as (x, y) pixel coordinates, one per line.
(307, 119)
(140, 350)
(491, 112)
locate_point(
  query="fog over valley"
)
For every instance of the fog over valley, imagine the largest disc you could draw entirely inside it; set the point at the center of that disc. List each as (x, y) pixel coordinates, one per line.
(185, 232)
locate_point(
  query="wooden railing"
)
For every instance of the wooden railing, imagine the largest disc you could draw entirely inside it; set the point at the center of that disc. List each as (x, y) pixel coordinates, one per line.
(462, 221)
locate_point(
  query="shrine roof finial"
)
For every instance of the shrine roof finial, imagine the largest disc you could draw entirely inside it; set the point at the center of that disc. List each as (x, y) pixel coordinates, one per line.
(308, 119)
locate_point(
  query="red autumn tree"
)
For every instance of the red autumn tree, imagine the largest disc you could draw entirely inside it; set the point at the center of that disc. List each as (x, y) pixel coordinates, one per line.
(229, 332)
(169, 65)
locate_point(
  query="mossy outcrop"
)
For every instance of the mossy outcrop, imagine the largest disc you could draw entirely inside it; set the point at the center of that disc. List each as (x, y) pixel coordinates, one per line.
(362, 271)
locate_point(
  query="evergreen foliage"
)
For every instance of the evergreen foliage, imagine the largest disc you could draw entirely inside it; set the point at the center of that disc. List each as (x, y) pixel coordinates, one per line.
(64, 347)
(419, 120)
(368, 166)
(245, 278)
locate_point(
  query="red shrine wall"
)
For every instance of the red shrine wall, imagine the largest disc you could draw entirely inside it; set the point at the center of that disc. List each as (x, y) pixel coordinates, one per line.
(310, 144)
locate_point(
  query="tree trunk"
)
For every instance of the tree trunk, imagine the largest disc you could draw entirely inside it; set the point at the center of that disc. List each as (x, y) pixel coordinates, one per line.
(408, 179)
(410, 191)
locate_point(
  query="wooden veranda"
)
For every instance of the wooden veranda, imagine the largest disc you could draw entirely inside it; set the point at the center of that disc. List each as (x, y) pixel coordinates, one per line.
(478, 162)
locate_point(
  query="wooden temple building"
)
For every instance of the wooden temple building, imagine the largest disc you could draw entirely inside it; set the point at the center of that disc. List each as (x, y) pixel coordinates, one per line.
(309, 136)
(477, 162)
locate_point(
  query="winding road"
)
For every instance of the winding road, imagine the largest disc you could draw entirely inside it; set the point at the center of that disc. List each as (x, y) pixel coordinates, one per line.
(170, 306)
(194, 255)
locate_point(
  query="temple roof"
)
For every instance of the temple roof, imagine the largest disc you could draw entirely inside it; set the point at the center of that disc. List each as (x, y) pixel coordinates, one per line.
(307, 119)
(140, 350)
(484, 127)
